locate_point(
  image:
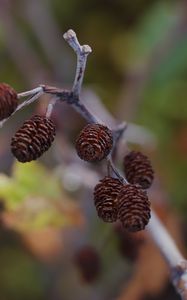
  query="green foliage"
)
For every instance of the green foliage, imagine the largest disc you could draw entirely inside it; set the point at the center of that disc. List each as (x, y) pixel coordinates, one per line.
(33, 194)
(28, 180)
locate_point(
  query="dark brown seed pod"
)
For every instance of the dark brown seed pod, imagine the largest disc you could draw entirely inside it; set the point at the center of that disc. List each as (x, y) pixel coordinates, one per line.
(133, 208)
(105, 194)
(129, 244)
(94, 142)
(88, 261)
(138, 169)
(8, 101)
(33, 138)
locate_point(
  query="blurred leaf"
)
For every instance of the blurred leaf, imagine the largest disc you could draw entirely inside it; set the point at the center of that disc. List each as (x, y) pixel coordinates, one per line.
(28, 179)
(37, 179)
(34, 198)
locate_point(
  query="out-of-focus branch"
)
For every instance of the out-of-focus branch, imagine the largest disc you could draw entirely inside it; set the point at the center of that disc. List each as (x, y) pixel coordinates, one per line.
(18, 47)
(171, 253)
(40, 16)
(118, 133)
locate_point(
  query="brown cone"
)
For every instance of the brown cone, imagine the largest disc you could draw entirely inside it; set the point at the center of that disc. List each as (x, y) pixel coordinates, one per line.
(88, 261)
(138, 169)
(94, 142)
(133, 208)
(8, 101)
(129, 244)
(33, 138)
(105, 194)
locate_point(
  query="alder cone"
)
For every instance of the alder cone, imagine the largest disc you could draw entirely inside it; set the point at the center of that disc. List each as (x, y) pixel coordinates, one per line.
(33, 138)
(129, 244)
(138, 169)
(105, 194)
(133, 208)
(88, 261)
(8, 101)
(94, 142)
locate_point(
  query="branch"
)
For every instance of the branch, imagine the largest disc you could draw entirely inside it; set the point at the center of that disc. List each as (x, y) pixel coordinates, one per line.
(36, 93)
(118, 134)
(73, 100)
(115, 171)
(30, 93)
(82, 54)
(51, 107)
(171, 254)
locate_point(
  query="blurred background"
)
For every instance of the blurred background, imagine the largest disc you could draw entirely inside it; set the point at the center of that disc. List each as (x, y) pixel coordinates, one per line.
(52, 244)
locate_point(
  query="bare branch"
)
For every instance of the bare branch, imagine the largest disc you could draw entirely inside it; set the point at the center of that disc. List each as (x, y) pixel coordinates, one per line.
(82, 54)
(115, 170)
(22, 105)
(118, 133)
(170, 253)
(51, 106)
(164, 241)
(31, 92)
(72, 99)
(85, 113)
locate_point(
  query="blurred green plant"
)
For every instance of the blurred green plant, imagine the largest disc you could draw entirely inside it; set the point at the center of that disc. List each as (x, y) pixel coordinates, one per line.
(34, 197)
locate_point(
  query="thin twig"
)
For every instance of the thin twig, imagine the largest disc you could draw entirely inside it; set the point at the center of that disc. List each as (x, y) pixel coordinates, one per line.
(29, 101)
(22, 105)
(30, 93)
(118, 134)
(51, 107)
(119, 131)
(82, 54)
(115, 170)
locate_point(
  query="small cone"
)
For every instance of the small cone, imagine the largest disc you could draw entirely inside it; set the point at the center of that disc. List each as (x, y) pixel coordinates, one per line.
(94, 142)
(33, 138)
(88, 261)
(8, 101)
(138, 169)
(105, 194)
(133, 208)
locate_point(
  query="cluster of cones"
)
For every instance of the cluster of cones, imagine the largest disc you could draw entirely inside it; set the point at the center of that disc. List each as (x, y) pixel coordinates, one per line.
(113, 199)
(128, 203)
